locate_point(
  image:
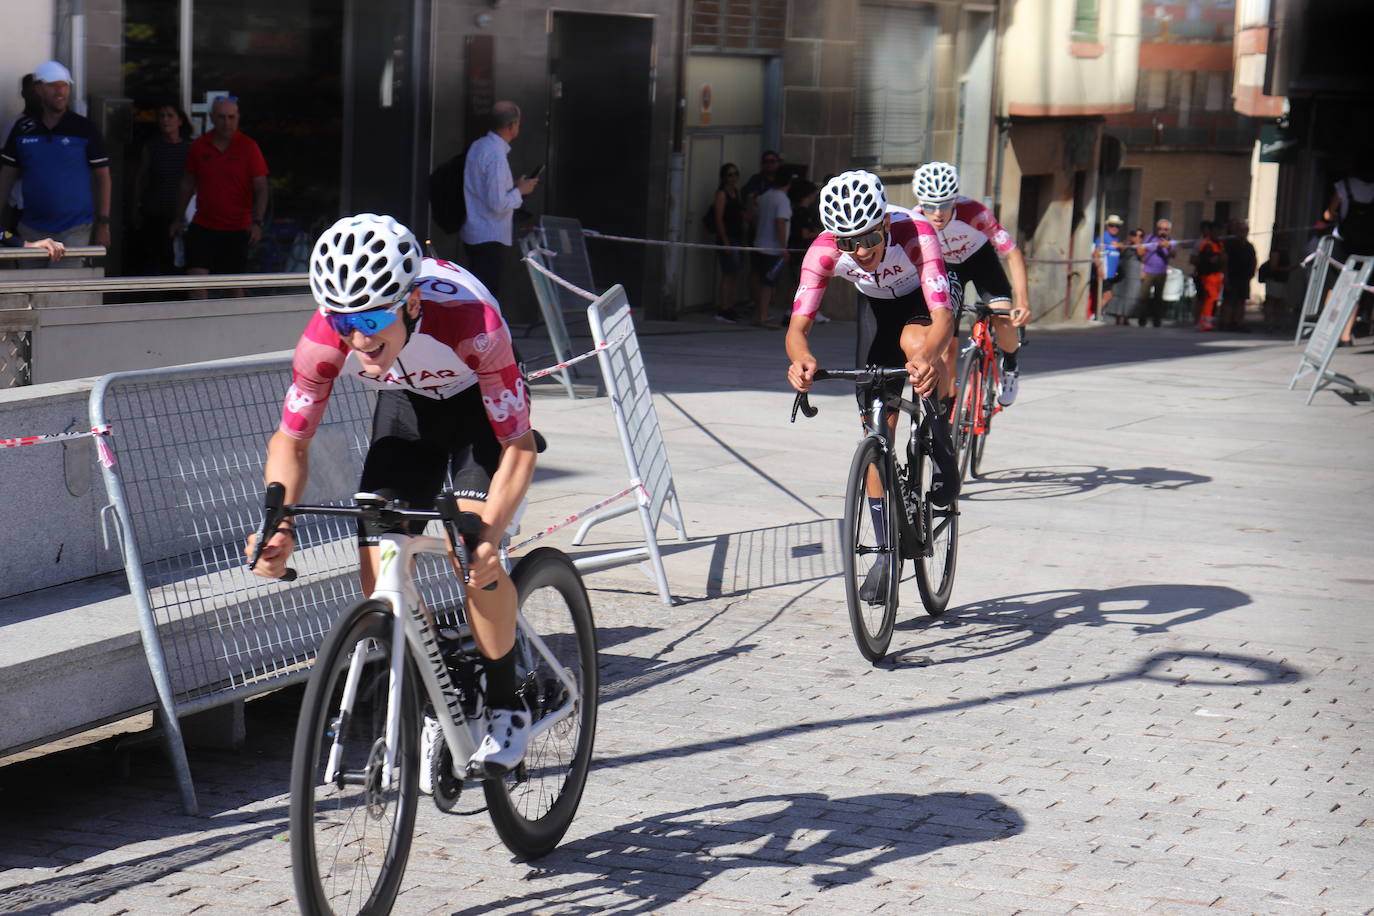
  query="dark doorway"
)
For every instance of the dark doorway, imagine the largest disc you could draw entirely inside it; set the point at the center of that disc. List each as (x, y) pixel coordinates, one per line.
(386, 83)
(600, 113)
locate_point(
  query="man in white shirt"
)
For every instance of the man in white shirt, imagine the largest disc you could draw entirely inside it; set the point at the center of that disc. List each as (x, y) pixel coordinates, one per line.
(774, 218)
(491, 196)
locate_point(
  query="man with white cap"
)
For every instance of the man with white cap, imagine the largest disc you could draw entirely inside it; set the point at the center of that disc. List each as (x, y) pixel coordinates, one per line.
(62, 159)
(1106, 257)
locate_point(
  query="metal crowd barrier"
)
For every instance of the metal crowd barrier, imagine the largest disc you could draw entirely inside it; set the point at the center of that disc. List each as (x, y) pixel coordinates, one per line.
(186, 490)
(1326, 333)
(1316, 288)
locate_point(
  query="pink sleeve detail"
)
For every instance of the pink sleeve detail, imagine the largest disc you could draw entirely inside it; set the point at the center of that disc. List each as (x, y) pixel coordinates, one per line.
(319, 357)
(981, 218)
(924, 251)
(485, 345)
(816, 270)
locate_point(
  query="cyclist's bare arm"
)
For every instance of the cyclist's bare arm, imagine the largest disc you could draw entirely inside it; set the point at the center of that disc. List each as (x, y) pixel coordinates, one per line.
(803, 367)
(1020, 288)
(288, 463)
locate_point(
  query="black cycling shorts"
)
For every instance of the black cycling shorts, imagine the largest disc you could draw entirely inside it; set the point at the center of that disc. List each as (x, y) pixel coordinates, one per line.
(984, 270)
(417, 440)
(889, 316)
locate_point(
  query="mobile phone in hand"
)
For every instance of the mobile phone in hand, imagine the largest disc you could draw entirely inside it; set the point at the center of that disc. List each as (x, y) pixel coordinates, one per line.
(539, 170)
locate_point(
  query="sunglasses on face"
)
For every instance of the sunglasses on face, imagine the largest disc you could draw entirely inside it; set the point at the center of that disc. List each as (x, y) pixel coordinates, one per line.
(370, 322)
(938, 208)
(869, 239)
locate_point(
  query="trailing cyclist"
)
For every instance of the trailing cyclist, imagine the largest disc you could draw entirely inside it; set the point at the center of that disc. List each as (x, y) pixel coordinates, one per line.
(431, 337)
(894, 262)
(965, 227)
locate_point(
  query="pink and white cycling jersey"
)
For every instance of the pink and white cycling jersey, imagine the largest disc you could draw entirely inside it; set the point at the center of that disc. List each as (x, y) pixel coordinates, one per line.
(971, 227)
(461, 340)
(911, 261)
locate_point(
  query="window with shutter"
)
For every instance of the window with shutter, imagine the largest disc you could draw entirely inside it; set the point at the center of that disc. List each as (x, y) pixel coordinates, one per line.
(896, 78)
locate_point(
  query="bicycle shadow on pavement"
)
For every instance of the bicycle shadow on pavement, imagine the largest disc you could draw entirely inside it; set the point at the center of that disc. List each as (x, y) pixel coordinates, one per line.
(1012, 622)
(1071, 480)
(838, 841)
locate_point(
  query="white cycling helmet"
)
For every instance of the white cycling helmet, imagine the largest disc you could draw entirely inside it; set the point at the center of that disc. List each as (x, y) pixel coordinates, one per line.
(853, 203)
(935, 183)
(363, 262)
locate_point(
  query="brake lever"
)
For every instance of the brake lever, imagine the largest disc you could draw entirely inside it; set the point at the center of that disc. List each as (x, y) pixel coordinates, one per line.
(273, 500)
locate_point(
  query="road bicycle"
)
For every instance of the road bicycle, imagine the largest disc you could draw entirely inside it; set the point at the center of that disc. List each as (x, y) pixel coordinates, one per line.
(908, 525)
(975, 396)
(355, 766)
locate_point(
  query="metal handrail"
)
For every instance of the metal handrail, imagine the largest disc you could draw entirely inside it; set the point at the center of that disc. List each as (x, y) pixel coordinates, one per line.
(35, 254)
(139, 284)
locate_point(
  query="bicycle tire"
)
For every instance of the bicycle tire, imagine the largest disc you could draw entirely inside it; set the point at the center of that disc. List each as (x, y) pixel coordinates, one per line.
(350, 839)
(987, 403)
(533, 805)
(966, 408)
(936, 561)
(872, 624)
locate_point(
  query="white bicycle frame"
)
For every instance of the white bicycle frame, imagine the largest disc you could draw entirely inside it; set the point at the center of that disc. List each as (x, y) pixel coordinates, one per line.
(413, 629)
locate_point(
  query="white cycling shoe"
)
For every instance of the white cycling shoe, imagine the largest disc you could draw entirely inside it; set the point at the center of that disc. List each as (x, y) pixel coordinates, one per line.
(503, 746)
(1007, 395)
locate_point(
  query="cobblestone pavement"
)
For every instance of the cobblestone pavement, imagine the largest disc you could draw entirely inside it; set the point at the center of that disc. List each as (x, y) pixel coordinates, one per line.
(1150, 693)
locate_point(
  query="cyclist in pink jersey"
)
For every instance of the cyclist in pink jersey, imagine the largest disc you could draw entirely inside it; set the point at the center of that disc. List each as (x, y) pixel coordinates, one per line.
(430, 336)
(894, 262)
(970, 242)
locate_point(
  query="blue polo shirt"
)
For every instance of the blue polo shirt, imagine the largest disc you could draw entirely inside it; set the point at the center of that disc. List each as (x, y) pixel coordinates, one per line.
(56, 167)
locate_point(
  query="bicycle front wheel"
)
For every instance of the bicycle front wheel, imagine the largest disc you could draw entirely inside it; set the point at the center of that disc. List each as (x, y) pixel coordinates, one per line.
(872, 564)
(935, 563)
(987, 406)
(352, 816)
(966, 408)
(533, 805)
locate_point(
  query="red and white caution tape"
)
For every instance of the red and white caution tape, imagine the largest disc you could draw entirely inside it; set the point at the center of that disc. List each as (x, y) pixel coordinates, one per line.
(590, 297)
(98, 433)
(633, 487)
(577, 359)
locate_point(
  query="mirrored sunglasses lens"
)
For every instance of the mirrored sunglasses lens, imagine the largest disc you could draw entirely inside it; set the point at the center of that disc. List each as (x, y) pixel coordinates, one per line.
(367, 322)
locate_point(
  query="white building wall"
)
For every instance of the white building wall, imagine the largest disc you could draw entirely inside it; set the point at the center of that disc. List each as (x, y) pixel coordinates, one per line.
(25, 42)
(1046, 70)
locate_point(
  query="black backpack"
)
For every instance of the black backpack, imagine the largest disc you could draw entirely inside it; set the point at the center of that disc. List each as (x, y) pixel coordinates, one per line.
(446, 203)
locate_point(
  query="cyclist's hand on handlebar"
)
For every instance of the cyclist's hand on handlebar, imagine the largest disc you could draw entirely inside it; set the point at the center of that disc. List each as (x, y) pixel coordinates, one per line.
(1020, 316)
(484, 566)
(922, 376)
(272, 563)
(801, 373)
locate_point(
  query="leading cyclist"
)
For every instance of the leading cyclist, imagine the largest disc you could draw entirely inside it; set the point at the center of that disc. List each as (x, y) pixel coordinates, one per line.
(432, 338)
(965, 228)
(894, 262)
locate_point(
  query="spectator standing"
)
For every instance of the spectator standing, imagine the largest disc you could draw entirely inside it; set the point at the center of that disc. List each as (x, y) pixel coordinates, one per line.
(157, 186)
(61, 157)
(1351, 208)
(759, 184)
(774, 216)
(1209, 265)
(227, 173)
(727, 221)
(1275, 274)
(1240, 270)
(1159, 249)
(1124, 303)
(492, 197)
(1106, 257)
(13, 206)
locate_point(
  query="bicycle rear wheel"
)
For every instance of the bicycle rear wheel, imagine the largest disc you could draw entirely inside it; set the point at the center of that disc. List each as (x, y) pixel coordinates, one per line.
(987, 406)
(936, 561)
(867, 546)
(966, 408)
(351, 834)
(533, 805)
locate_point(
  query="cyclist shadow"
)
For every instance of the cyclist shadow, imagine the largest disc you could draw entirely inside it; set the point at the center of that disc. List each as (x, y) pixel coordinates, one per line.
(1072, 480)
(840, 841)
(1005, 624)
